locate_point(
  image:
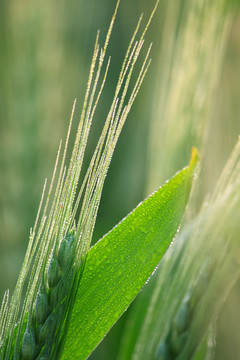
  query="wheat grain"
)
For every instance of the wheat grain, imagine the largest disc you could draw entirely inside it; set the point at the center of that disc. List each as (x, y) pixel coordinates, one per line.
(173, 341)
(50, 303)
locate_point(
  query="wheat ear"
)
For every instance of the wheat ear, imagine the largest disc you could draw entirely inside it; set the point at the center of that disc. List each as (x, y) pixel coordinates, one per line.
(35, 325)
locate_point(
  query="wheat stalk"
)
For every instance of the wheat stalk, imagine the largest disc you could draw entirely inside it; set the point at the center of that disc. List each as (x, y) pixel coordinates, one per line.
(35, 325)
(196, 275)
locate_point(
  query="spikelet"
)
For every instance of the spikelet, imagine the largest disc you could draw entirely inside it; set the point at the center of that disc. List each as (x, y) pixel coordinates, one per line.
(50, 301)
(173, 341)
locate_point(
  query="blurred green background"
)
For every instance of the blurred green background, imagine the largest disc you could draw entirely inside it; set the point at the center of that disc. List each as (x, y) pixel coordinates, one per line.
(45, 52)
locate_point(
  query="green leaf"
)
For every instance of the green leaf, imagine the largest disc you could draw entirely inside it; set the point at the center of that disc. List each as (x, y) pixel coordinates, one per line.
(119, 265)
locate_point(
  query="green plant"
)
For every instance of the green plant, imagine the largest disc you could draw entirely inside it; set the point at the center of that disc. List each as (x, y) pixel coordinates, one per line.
(76, 294)
(34, 323)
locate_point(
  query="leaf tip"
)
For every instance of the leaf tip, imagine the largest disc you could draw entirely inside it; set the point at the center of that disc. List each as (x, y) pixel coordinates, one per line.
(195, 158)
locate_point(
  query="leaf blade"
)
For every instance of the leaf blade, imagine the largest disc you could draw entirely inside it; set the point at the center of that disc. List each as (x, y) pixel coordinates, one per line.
(118, 266)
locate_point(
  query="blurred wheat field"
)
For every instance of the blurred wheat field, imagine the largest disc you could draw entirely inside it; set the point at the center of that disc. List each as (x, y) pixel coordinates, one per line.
(45, 51)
